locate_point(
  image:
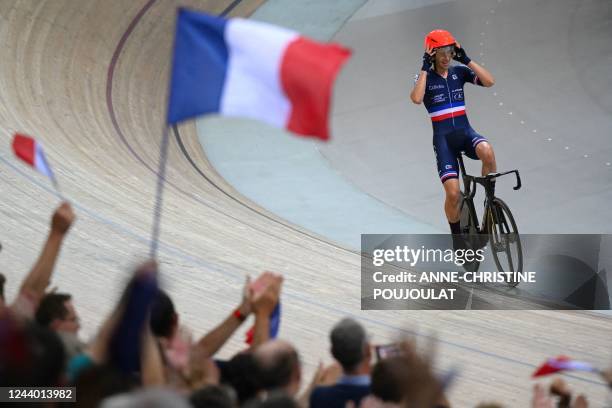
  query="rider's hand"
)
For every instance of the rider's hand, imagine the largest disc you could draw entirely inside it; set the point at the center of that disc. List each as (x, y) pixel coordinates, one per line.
(427, 59)
(460, 55)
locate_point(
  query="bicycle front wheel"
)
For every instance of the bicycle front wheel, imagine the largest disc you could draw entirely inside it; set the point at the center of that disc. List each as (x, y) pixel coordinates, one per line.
(470, 232)
(504, 239)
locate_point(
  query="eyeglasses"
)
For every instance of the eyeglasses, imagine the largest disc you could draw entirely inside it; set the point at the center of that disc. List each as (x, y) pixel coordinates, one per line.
(448, 50)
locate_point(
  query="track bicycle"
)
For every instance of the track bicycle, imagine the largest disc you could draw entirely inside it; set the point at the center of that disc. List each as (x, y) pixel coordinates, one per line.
(498, 226)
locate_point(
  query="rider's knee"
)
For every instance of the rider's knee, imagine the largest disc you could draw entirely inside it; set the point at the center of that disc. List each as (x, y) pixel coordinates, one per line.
(453, 196)
(485, 152)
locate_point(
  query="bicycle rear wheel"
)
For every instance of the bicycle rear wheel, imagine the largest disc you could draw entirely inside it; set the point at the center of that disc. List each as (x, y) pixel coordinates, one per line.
(504, 239)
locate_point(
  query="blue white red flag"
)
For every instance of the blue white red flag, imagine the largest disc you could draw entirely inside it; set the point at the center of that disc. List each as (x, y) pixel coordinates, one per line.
(275, 321)
(562, 363)
(31, 152)
(238, 67)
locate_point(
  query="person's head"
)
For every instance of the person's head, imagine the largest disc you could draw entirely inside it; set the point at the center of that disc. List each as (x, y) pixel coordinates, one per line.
(241, 374)
(164, 319)
(444, 56)
(278, 366)
(30, 355)
(405, 379)
(274, 400)
(350, 346)
(443, 43)
(212, 396)
(154, 397)
(57, 312)
(97, 382)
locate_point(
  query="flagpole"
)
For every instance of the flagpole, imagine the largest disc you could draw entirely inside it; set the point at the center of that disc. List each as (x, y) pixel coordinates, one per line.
(57, 188)
(159, 193)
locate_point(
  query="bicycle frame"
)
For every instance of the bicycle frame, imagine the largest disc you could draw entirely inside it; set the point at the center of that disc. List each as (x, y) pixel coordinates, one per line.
(469, 188)
(498, 222)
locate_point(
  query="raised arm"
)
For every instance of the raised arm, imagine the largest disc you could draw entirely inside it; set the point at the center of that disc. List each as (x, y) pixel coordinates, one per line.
(210, 343)
(263, 305)
(38, 279)
(151, 361)
(484, 76)
(418, 92)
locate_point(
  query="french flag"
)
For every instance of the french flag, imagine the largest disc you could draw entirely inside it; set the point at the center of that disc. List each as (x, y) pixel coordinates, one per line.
(238, 67)
(562, 363)
(31, 152)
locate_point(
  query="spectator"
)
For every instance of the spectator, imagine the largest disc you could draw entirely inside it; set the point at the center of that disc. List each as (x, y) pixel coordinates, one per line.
(558, 388)
(56, 312)
(125, 342)
(36, 282)
(350, 347)
(146, 398)
(241, 374)
(407, 380)
(30, 355)
(278, 367)
(212, 396)
(97, 382)
(184, 358)
(2, 282)
(274, 400)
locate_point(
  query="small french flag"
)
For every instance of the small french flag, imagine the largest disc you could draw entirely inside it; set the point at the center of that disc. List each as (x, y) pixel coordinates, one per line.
(31, 152)
(562, 363)
(238, 67)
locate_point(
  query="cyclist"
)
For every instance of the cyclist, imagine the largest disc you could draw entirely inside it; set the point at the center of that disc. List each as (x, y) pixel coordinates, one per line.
(439, 86)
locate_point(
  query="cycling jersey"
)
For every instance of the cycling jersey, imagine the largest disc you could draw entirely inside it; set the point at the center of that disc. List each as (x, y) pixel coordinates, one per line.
(452, 134)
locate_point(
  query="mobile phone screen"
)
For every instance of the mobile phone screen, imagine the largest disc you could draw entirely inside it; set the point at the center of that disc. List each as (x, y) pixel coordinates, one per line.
(386, 351)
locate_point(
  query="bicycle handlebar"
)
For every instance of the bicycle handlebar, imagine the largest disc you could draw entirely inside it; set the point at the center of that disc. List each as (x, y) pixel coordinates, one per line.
(490, 176)
(516, 173)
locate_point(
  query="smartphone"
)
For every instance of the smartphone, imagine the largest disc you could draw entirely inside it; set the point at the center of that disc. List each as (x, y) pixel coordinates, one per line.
(388, 350)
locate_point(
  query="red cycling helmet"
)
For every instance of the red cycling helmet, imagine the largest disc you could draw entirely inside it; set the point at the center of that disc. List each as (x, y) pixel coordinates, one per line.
(439, 38)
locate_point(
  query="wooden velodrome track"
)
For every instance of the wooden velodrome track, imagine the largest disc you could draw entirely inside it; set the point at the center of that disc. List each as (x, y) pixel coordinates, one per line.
(89, 78)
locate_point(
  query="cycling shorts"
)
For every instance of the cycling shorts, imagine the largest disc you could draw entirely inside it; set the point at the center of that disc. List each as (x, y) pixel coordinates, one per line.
(448, 146)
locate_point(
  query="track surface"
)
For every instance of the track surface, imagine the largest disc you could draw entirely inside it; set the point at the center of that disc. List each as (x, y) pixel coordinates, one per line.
(84, 77)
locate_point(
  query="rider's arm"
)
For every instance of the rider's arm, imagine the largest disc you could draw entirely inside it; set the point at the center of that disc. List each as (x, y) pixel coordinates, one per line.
(419, 88)
(484, 76)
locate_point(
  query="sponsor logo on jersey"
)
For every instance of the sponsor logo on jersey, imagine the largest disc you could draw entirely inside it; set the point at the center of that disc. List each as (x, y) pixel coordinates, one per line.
(454, 76)
(434, 87)
(438, 98)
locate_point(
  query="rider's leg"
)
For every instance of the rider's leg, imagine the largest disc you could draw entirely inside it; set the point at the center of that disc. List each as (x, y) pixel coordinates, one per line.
(451, 204)
(485, 153)
(448, 171)
(453, 213)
